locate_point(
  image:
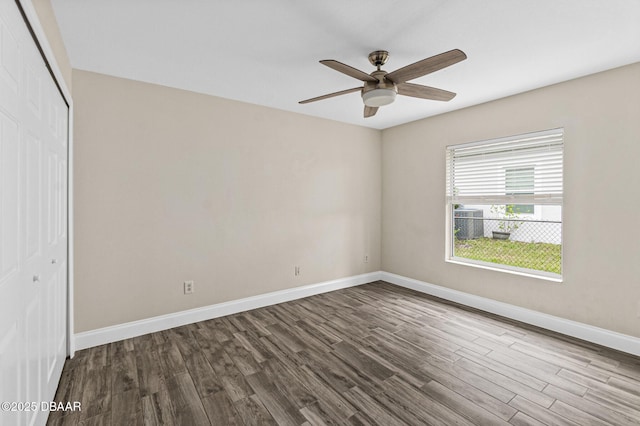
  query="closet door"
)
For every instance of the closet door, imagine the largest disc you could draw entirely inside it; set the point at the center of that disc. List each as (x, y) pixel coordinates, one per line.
(54, 266)
(33, 225)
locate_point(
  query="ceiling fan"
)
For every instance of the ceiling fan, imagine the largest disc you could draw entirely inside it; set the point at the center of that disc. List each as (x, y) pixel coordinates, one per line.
(380, 87)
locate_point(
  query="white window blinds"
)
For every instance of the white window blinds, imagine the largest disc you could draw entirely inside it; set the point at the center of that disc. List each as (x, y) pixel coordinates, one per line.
(499, 171)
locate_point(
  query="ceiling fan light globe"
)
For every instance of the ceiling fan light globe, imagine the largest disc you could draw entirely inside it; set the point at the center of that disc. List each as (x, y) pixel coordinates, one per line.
(379, 97)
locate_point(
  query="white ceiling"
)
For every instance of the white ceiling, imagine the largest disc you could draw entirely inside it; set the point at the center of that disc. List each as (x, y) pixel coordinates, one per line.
(267, 52)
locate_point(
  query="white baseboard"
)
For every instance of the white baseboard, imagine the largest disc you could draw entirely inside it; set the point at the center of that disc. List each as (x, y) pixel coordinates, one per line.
(611, 339)
(601, 336)
(127, 330)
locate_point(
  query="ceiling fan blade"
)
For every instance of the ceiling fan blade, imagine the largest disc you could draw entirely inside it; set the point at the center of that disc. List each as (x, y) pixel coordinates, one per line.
(424, 92)
(370, 111)
(330, 95)
(350, 71)
(426, 66)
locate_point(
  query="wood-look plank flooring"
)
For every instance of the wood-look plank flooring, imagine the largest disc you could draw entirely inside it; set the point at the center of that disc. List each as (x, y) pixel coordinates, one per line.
(370, 355)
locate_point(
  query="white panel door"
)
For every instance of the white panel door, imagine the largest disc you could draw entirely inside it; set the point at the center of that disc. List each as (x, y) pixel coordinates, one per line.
(55, 227)
(33, 224)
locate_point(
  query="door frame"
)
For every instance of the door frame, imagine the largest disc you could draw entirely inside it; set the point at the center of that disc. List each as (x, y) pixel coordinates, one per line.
(37, 31)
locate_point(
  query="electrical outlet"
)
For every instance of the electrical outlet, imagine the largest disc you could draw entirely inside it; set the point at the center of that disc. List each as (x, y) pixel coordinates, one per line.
(366, 258)
(189, 287)
(296, 271)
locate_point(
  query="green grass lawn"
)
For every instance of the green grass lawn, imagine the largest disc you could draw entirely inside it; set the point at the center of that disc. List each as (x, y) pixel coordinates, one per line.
(539, 256)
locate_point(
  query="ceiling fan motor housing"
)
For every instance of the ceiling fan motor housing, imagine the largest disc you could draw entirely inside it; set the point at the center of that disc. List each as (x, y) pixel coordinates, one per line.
(381, 93)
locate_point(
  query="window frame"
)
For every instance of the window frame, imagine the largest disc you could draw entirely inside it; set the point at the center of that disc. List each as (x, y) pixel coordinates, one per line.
(450, 220)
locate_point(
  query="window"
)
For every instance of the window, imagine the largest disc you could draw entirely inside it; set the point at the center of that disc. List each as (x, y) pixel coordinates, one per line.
(504, 203)
(520, 181)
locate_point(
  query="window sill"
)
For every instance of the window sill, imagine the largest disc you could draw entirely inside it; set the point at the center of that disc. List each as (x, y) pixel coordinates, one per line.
(546, 276)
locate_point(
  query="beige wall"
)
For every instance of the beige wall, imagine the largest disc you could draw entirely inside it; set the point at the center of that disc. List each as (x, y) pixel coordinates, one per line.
(171, 186)
(50, 25)
(601, 118)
